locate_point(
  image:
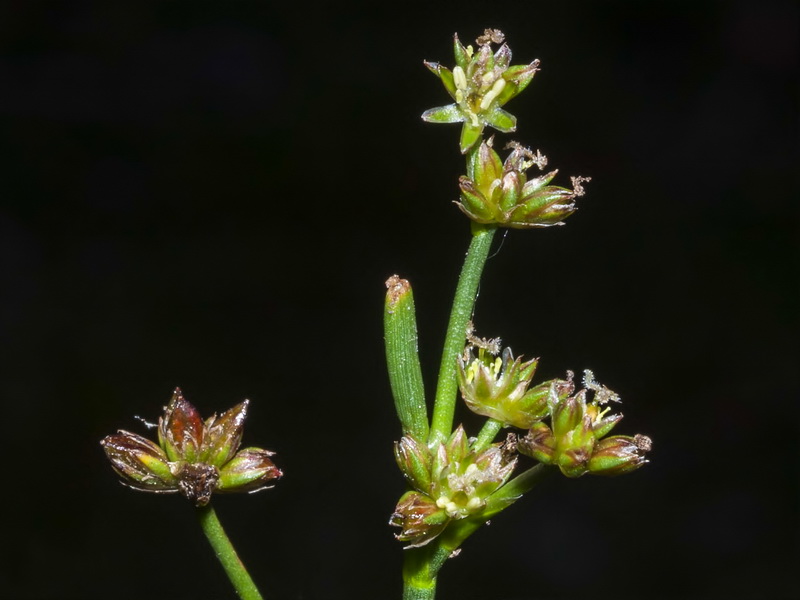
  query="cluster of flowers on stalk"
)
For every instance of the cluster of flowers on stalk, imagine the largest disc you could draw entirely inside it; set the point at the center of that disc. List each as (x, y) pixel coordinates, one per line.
(193, 457)
(563, 428)
(454, 480)
(495, 191)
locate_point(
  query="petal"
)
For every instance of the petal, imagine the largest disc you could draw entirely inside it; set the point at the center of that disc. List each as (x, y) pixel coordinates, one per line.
(414, 461)
(484, 165)
(444, 114)
(223, 435)
(502, 58)
(546, 204)
(501, 120)
(474, 216)
(469, 135)
(474, 201)
(445, 74)
(140, 463)
(250, 470)
(462, 58)
(511, 191)
(180, 430)
(420, 519)
(537, 183)
(517, 77)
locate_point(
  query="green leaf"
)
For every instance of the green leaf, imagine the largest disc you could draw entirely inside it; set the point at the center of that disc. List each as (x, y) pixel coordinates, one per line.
(402, 359)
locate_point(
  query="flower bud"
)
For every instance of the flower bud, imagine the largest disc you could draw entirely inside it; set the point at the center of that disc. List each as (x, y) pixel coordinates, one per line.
(140, 463)
(420, 519)
(414, 461)
(619, 454)
(180, 430)
(222, 435)
(539, 443)
(250, 470)
(576, 442)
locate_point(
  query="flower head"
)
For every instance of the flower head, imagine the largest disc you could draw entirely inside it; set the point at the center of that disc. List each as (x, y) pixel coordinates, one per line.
(575, 440)
(193, 457)
(481, 82)
(499, 192)
(499, 386)
(452, 481)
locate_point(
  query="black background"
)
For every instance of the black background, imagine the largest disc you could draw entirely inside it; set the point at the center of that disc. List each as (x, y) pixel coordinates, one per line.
(212, 197)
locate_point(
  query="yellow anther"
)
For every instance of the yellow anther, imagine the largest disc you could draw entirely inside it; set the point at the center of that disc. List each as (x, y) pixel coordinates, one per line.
(472, 370)
(474, 504)
(459, 78)
(498, 363)
(493, 93)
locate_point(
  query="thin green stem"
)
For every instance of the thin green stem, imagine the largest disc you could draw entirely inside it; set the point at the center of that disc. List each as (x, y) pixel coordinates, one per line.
(514, 489)
(412, 592)
(226, 554)
(447, 388)
(487, 434)
(420, 568)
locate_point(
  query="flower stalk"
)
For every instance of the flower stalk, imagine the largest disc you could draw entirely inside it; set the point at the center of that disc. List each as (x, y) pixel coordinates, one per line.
(460, 315)
(196, 459)
(226, 554)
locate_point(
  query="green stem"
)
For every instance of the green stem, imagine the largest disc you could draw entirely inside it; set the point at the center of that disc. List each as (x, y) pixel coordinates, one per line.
(411, 592)
(421, 565)
(514, 489)
(226, 554)
(447, 388)
(420, 568)
(488, 433)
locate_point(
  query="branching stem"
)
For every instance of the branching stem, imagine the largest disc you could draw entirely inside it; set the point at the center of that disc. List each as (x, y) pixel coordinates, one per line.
(487, 434)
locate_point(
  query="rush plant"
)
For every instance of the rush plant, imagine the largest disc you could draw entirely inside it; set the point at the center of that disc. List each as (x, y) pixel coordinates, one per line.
(455, 482)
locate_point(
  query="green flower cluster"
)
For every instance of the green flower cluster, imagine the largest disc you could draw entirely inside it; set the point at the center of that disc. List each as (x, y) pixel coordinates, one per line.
(498, 386)
(480, 83)
(450, 482)
(496, 192)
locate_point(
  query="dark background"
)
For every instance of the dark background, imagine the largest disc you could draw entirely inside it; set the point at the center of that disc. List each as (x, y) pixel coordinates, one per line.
(212, 197)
